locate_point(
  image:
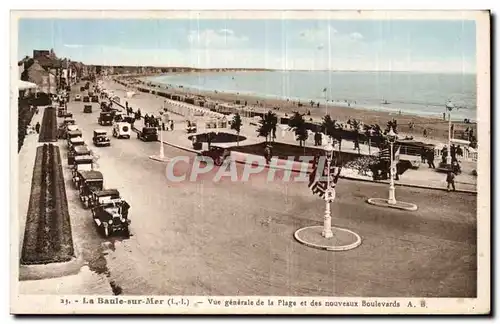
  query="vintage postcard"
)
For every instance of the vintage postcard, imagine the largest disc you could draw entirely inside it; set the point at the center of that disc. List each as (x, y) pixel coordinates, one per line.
(250, 162)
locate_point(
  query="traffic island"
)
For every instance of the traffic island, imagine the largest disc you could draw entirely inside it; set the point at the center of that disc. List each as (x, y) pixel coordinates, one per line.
(48, 248)
(48, 129)
(342, 240)
(382, 202)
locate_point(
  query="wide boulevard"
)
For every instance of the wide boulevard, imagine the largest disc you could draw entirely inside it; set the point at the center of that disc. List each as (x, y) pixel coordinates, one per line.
(236, 238)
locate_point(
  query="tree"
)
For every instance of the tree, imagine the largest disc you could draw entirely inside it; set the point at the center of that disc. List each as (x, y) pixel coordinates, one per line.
(329, 126)
(267, 125)
(236, 125)
(356, 125)
(298, 124)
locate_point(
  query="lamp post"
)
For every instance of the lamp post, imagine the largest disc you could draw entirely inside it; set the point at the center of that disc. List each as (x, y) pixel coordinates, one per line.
(162, 154)
(329, 194)
(392, 190)
(449, 106)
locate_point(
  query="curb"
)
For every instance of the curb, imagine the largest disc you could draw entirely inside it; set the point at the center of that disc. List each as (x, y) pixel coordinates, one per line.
(332, 248)
(343, 177)
(381, 202)
(51, 270)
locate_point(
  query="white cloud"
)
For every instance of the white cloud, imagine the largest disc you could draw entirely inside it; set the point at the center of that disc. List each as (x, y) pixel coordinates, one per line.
(299, 59)
(73, 45)
(210, 38)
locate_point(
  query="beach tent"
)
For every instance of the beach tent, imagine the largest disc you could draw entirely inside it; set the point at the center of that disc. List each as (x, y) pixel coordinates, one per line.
(130, 94)
(23, 85)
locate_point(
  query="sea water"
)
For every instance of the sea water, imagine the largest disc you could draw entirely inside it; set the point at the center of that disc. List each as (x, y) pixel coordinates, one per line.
(424, 94)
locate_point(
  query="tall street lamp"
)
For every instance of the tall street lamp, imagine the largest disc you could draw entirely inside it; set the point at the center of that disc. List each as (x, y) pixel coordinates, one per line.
(449, 106)
(329, 194)
(391, 136)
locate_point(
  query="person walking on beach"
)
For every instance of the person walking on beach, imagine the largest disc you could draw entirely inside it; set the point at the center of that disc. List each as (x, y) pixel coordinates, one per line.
(37, 127)
(450, 179)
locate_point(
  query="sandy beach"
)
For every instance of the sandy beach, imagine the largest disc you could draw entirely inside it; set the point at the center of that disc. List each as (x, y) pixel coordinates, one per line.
(437, 128)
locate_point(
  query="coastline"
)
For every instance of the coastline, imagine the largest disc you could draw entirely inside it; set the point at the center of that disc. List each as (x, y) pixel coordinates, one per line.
(436, 127)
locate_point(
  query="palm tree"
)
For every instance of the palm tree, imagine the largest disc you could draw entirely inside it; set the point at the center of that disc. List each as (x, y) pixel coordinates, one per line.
(236, 125)
(267, 125)
(329, 126)
(298, 124)
(356, 125)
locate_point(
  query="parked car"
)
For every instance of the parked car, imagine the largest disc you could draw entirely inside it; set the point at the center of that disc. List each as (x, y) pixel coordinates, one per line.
(72, 133)
(86, 99)
(64, 127)
(77, 151)
(82, 89)
(88, 183)
(78, 97)
(105, 118)
(148, 134)
(81, 163)
(94, 98)
(87, 109)
(75, 141)
(110, 212)
(122, 129)
(101, 138)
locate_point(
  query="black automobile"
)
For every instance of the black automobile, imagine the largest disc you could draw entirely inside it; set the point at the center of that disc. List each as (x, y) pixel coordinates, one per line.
(86, 99)
(87, 109)
(105, 118)
(148, 134)
(95, 98)
(101, 138)
(110, 212)
(89, 182)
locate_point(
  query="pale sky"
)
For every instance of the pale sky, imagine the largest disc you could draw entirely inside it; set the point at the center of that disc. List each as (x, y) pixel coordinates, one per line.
(373, 45)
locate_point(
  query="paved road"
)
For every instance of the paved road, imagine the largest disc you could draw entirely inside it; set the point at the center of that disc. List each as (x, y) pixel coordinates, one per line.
(236, 238)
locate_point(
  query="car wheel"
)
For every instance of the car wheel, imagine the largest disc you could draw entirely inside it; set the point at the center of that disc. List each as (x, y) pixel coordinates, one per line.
(106, 231)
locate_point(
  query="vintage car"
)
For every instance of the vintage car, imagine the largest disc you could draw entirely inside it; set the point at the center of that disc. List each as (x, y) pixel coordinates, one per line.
(216, 154)
(81, 163)
(122, 129)
(87, 109)
(105, 118)
(72, 133)
(64, 113)
(75, 141)
(78, 97)
(78, 150)
(94, 98)
(82, 88)
(148, 134)
(65, 126)
(101, 138)
(86, 99)
(110, 212)
(88, 183)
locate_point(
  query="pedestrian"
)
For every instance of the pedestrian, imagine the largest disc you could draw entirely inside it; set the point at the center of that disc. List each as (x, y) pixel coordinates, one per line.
(146, 120)
(423, 154)
(430, 159)
(37, 127)
(425, 132)
(450, 179)
(268, 153)
(172, 125)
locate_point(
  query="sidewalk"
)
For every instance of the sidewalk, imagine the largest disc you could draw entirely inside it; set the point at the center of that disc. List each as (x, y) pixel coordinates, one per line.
(423, 177)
